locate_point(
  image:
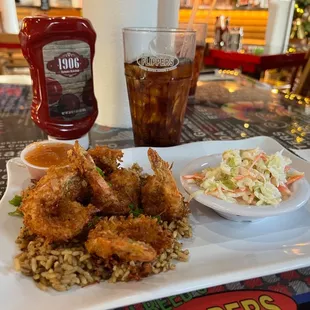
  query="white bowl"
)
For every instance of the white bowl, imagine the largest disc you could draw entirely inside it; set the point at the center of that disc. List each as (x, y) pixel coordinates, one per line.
(36, 172)
(237, 212)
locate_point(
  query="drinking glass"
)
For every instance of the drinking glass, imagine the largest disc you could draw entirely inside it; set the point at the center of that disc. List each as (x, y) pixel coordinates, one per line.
(158, 70)
(201, 34)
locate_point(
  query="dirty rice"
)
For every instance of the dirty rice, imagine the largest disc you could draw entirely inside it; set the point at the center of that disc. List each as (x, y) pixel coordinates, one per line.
(62, 265)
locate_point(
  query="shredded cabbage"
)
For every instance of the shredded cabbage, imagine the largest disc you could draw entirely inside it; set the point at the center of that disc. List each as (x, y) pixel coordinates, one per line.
(248, 177)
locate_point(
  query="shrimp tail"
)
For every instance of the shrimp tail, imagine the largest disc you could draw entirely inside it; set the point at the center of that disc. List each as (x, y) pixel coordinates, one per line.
(159, 166)
(160, 194)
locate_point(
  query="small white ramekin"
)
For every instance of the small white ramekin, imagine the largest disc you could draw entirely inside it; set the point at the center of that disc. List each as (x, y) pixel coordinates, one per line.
(36, 172)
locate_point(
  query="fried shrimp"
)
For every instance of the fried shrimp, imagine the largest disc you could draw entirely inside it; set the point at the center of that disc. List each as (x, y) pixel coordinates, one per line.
(82, 226)
(138, 239)
(160, 195)
(58, 184)
(104, 196)
(50, 209)
(126, 182)
(105, 158)
(66, 224)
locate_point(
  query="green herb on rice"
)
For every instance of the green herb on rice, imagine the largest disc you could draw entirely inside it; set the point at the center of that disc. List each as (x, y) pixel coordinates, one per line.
(157, 217)
(95, 220)
(136, 212)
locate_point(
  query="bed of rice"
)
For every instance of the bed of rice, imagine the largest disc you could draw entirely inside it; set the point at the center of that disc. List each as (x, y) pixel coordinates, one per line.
(61, 266)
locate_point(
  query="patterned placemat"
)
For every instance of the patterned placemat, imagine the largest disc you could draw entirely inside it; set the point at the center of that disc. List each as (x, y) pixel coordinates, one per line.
(285, 120)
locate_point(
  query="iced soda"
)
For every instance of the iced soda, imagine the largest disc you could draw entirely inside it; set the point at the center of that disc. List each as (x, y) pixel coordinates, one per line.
(158, 102)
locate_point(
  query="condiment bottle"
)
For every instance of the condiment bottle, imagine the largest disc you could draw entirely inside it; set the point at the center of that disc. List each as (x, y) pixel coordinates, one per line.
(222, 26)
(219, 28)
(60, 52)
(226, 34)
(217, 32)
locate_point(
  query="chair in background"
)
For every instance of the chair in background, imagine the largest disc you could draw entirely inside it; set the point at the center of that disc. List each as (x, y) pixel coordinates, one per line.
(12, 60)
(303, 87)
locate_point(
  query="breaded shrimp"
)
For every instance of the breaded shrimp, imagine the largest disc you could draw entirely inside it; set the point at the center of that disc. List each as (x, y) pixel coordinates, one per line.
(160, 195)
(59, 183)
(107, 199)
(127, 184)
(138, 239)
(105, 158)
(50, 209)
(69, 221)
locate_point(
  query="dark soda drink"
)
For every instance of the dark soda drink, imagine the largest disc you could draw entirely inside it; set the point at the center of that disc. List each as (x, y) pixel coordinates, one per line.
(158, 102)
(158, 70)
(197, 66)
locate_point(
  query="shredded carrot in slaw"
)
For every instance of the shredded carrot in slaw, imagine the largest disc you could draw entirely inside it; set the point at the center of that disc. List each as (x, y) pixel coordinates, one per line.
(249, 177)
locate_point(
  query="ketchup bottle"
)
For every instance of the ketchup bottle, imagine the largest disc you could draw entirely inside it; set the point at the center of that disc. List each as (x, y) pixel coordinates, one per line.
(60, 52)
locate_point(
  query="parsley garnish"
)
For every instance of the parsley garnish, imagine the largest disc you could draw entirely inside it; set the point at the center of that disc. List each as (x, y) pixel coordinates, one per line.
(136, 212)
(100, 171)
(16, 201)
(102, 174)
(94, 221)
(17, 212)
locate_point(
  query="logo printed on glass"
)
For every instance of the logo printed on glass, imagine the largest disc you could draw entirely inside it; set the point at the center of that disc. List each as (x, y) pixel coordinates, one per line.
(157, 63)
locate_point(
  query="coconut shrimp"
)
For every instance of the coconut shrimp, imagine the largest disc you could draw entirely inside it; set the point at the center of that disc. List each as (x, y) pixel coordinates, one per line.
(127, 184)
(160, 195)
(110, 198)
(105, 158)
(51, 204)
(138, 239)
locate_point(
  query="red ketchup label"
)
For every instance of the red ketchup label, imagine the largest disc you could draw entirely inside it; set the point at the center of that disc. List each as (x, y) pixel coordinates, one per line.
(68, 64)
(68, 78)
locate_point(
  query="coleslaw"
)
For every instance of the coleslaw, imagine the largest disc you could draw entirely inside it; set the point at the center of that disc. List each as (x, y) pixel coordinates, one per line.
(248, 177)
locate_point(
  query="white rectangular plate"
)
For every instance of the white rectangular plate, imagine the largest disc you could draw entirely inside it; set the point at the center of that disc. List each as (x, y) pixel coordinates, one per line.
(221, 251)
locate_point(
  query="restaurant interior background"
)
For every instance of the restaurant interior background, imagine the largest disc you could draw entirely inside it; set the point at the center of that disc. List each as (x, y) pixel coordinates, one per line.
(246, 17)
(219, 111)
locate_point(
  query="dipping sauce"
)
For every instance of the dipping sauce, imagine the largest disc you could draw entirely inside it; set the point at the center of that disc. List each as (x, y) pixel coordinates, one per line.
(46, 155)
